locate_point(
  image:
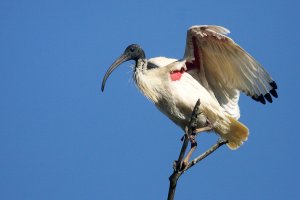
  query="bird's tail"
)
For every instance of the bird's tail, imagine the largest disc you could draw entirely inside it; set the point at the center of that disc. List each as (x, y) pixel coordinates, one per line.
(237, 134)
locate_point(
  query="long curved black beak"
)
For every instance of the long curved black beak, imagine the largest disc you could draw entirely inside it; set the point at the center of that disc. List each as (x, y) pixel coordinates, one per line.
(123, 58)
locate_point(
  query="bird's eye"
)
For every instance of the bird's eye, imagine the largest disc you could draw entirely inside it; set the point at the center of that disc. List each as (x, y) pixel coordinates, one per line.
(132, 49)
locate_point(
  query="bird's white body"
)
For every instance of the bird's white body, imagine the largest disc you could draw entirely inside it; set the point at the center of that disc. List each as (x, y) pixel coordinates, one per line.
(176, 99)
(214, 69)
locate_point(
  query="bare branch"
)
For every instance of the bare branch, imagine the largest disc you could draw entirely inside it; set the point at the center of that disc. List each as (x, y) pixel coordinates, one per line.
(178, 164)
(178, 168)
(188, 132)
(205, 154)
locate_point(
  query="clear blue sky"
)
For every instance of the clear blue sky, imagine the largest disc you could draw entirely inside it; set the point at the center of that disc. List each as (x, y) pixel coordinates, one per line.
(61, 138)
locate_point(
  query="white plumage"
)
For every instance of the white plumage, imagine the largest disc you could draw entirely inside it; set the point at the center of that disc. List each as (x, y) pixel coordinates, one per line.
(214, 69)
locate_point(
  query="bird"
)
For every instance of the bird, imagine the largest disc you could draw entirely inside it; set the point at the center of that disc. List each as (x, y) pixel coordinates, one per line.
(214, 70)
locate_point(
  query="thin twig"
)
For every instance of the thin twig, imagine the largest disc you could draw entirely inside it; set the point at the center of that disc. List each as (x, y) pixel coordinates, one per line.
(176, 174)
(205, 154)
(178, 168)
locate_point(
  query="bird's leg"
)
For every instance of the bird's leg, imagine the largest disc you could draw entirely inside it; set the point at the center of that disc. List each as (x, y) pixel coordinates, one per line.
(192, 139)
(193, 142)
(187, 137)
(209, 127)
(191, 131)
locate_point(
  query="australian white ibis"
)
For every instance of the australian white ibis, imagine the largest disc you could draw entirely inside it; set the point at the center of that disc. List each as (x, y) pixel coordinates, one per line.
(214, 69)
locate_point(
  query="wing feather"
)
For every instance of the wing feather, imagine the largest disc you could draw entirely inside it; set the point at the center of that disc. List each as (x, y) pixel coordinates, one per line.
(228, 68)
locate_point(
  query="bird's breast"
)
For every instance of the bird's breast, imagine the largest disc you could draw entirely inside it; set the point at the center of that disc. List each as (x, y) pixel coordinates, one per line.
(175, 94)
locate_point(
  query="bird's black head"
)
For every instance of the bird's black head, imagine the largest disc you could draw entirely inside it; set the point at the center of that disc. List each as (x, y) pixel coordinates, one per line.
(132, 52)
(135, 52)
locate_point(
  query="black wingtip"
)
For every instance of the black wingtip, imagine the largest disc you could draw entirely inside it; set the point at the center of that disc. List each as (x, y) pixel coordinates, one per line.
(274, 93)
(274, 85)
(260, 99)
(254, 98)
(268, 97)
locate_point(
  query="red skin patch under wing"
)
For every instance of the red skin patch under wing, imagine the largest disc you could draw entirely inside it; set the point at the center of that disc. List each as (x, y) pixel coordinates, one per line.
(176, 75)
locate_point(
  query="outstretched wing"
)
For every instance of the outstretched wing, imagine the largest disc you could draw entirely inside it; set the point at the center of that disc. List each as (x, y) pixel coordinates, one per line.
(227, 68)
